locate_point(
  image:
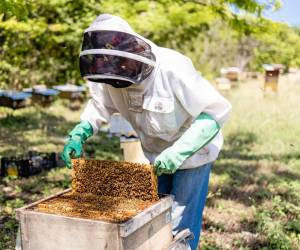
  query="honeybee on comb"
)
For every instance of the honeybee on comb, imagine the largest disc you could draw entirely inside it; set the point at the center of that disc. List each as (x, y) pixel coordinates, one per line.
(89, 206)
(116, 179)
(105, 190)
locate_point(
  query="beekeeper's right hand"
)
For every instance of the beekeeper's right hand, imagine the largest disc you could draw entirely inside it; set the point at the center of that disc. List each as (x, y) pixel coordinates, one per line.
(74, 145)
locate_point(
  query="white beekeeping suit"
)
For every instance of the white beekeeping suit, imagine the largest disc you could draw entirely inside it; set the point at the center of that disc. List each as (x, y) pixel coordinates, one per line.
(160, 103)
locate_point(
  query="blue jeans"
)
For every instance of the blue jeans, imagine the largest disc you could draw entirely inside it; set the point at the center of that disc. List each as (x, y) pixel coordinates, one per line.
(189, 187)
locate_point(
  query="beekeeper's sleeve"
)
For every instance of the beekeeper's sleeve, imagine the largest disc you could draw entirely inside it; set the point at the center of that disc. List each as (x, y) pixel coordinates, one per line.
(99, 108)
(196, 94)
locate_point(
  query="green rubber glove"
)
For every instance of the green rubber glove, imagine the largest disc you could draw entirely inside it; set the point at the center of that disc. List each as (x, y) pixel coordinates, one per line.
(200, 133)
(77, 137)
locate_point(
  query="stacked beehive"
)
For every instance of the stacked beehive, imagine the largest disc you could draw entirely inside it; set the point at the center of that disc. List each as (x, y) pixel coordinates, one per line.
(106, 190)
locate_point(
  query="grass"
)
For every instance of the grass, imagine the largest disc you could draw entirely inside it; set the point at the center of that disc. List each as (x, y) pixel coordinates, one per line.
(254, 198)
(255, 185)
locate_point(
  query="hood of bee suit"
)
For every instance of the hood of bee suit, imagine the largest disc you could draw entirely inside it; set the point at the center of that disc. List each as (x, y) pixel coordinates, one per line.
(113, 53)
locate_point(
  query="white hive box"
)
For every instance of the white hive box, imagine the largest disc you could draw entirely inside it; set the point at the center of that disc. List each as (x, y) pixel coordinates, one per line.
(231, 73)
(223, 83)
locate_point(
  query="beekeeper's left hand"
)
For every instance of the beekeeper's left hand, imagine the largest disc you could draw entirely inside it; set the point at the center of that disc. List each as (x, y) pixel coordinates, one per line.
(199, 134)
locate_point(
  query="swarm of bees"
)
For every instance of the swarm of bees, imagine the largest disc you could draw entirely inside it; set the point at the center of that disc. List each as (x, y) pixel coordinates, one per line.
(117, 179)
(95, 207)
(105, 190)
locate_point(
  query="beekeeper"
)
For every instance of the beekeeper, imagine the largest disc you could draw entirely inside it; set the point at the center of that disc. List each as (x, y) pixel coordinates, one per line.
(176, 113)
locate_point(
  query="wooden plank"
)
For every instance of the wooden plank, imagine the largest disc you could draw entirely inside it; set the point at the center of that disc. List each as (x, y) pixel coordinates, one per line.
(19, 210)
(18, 240)
(43, 231)
(155, 235)
(144, 217)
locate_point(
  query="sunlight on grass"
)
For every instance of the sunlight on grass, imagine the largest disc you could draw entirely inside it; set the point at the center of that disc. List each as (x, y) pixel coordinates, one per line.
(259, 169)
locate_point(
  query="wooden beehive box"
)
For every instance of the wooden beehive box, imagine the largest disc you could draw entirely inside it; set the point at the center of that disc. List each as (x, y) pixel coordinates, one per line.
(111, 206)
(223, 84)
(70, 91)
(148, 230)
(271, 79)
(14, 99)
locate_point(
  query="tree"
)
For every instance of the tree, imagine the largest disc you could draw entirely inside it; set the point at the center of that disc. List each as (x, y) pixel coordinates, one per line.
(40, 40)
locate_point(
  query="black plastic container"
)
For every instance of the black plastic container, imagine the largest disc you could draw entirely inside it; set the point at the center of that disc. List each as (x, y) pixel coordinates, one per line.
(3, 164)
(27, 165)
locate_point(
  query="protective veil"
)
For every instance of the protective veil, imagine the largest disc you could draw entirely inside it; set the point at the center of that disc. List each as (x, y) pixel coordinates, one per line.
(168, 99)
(114, 57)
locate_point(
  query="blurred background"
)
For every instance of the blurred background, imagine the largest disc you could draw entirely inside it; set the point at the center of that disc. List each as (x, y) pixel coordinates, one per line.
(248, 49)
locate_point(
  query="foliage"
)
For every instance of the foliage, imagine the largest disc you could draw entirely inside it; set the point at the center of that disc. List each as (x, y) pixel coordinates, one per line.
(40, 40)
(279, 43)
